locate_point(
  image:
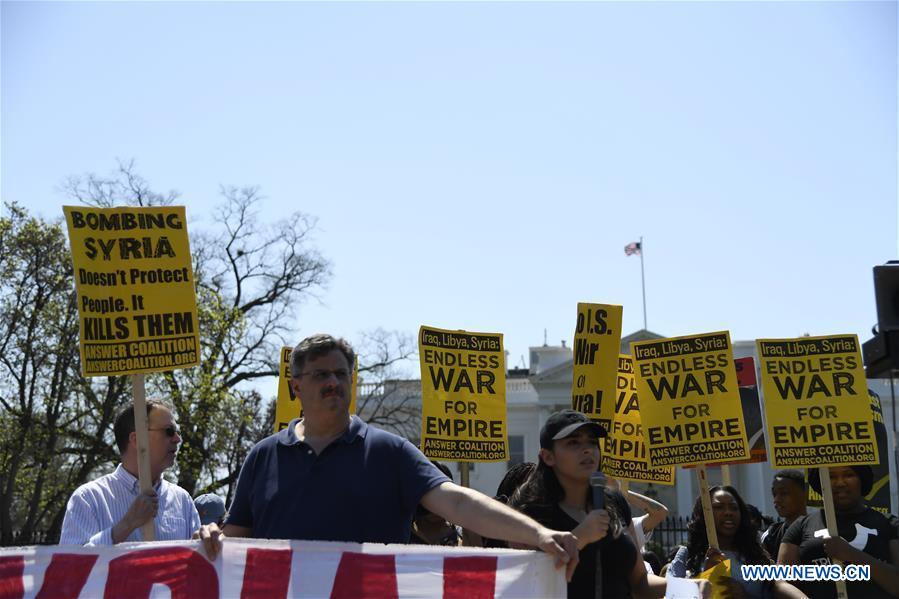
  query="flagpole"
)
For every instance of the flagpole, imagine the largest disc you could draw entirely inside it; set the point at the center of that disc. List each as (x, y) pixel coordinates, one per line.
(643, 281)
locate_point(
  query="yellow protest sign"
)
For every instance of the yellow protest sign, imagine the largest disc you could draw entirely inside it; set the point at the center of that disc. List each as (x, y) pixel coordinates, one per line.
(288, 405)
(690, 400)
(716, 575)
(624, 456)
(463, 390)
(597, 340)
(135, 289)
(816, 402)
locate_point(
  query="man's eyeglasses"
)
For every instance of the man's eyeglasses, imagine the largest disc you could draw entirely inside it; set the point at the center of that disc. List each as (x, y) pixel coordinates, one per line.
(322, 375)
(170, 431)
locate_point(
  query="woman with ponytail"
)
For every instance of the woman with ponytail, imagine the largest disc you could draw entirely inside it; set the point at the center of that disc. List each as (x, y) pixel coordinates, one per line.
(558, 495)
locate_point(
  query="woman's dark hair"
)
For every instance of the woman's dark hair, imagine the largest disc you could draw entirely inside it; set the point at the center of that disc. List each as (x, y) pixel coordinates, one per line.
(653, 560)
(514, 478)
(756, 516)
(746, 539)
(543, 490)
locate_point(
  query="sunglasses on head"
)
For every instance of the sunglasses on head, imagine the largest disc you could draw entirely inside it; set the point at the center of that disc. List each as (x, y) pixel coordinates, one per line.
(170, 431)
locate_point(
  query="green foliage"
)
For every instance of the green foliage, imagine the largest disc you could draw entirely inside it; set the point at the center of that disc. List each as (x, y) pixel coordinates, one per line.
(56, 426)
(53, 422)
(249, 278)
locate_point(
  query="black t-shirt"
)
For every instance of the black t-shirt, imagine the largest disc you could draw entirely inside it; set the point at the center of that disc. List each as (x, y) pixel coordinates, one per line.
(618, 555)
(772, 538)
(868, 531)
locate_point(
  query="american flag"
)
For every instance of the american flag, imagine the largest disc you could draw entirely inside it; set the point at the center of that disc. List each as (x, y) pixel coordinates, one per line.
(632, 248)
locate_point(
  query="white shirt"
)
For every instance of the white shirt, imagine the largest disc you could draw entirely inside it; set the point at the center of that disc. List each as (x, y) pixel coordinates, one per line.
(642, 537)
(96, 507)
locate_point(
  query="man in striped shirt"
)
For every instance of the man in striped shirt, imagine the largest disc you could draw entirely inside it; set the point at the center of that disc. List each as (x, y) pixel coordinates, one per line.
(112, 508)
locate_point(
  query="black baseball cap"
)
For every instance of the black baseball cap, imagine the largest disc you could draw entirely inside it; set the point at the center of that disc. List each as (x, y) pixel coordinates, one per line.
(864, 473)
(564, 424)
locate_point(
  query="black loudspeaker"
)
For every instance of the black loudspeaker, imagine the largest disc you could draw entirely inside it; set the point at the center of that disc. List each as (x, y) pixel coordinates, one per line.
(886, 292)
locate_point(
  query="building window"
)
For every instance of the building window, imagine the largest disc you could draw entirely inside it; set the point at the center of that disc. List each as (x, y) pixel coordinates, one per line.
(516, 450)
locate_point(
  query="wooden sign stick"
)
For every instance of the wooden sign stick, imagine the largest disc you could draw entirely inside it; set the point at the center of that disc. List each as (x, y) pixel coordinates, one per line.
(710, 530)
(725, 475)
(143, 447)
(463, 474)
(830, 518)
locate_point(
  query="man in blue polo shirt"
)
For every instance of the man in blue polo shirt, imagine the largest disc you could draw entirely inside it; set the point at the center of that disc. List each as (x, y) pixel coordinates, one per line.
(330, 476)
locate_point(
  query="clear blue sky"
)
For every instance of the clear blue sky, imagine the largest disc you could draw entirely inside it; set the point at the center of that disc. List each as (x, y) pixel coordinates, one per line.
(482, 166)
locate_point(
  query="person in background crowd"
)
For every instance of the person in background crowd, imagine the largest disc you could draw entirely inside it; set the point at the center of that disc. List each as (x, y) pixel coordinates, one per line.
(514, 478)
(894, 522)
(112, 508)
(331, 476)
(866, 537)
(211, 508)
(644, 525)
(652, 560)
(755, 520)
(790, 499)
(672, 553)
(737, 541)
(641, 527)
(558, 494)
(429, 528)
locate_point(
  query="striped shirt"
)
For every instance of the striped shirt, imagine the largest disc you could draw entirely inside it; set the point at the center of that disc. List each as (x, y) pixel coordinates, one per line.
(96, 507)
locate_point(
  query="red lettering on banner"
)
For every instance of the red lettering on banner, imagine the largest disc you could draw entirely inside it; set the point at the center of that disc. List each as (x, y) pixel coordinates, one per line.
(188, 574)
(365, 576)
(11, 584)
(66, 575)
(267, 573)
(469, 577)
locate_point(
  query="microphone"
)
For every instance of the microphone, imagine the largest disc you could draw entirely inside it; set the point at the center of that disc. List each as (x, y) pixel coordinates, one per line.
(598, 484)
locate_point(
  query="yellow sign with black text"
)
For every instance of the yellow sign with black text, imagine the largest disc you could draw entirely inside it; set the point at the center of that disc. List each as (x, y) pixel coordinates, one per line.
(690, 400)
(135, 289)
(288, 405)
(597, 341)
(878, 498)
(463, 390)
(816, 402)
(624, 456)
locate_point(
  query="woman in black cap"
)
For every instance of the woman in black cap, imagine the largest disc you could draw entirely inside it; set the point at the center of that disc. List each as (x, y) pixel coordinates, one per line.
(557, 494)
(866, 537)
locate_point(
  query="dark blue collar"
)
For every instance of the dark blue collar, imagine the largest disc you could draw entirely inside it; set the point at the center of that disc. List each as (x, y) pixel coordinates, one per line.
(357, 428)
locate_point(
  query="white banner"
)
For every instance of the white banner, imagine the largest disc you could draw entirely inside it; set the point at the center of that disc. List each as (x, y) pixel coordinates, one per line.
(250, 568)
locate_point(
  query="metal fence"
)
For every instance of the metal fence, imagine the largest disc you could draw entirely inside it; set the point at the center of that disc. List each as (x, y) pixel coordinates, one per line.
(667, 536)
